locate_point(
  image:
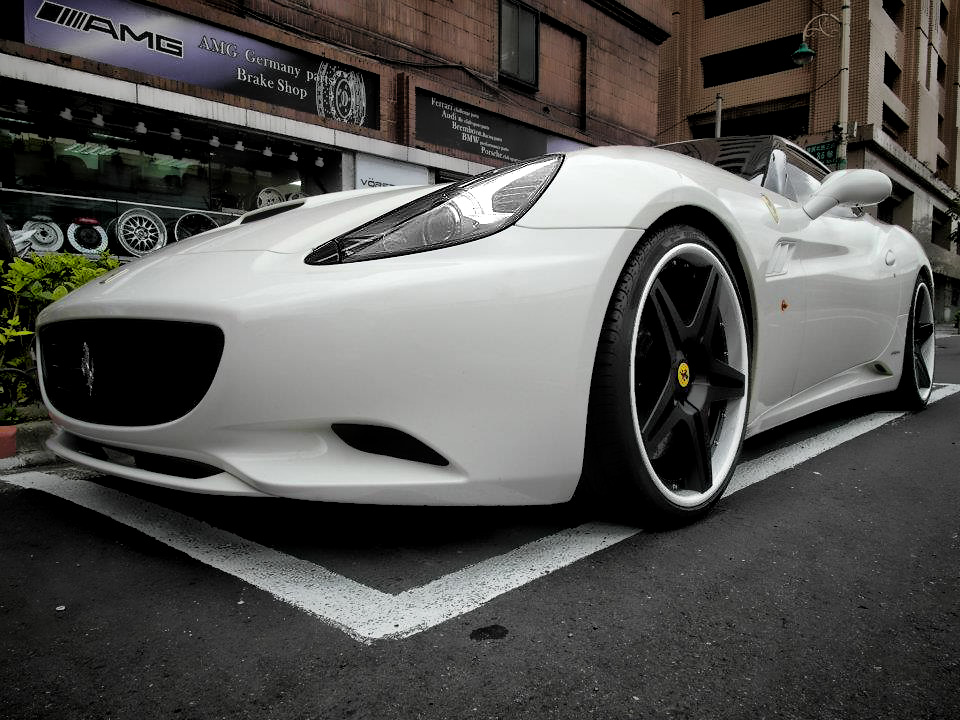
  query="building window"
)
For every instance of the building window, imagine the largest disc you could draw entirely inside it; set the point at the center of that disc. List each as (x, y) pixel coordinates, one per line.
(898, 208)
(712, 8)
(787, 117)
(939, 130)
(765, 58)
(944, 16)
(941, 71)
(891, 74)
(943, 170)
(940, 229)
(519, 43)
(894, 8)
(893, 125)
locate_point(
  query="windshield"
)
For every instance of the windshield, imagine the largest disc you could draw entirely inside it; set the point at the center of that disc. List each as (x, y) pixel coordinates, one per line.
(744, 156)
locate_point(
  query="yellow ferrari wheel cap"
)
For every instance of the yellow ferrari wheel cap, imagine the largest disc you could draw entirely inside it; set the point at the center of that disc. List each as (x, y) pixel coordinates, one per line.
(683, 374)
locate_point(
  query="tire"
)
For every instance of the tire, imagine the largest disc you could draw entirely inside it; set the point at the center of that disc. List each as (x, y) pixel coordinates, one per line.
(916, 378)
(670, 387)
(140, 231)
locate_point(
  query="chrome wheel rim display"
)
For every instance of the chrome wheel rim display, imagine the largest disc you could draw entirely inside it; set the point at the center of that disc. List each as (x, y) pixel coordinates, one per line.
(193, 223)
(140, 231)
(689, 375)
(269, 196)
(48, 236)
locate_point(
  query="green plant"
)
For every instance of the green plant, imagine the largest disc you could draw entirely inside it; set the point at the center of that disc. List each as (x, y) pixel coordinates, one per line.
(29, 285)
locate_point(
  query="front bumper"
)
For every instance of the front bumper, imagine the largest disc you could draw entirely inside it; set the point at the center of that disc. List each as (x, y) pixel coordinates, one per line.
(483, 352)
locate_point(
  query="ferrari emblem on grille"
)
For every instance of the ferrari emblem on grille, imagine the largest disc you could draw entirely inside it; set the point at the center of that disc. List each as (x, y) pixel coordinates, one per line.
(683, 374)
(86, 367)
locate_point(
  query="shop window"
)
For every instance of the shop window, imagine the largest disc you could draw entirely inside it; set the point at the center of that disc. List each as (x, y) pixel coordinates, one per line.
(894, 8)
(891, 74)
(753, 61)
(84, 171)
(519, 43)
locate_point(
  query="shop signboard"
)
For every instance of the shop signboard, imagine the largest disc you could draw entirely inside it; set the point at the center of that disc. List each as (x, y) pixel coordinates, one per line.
(375, 171)
(450, 123)
(164, 44)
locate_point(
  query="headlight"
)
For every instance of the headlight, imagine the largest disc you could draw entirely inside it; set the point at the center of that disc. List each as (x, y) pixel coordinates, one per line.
(456, 214)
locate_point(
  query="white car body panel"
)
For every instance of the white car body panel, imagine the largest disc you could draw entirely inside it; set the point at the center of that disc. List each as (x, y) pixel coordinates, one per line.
(483, 351)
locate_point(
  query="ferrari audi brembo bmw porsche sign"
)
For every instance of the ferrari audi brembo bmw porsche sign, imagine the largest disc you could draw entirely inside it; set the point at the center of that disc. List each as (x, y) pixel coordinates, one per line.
(161, 43)
(450, 123)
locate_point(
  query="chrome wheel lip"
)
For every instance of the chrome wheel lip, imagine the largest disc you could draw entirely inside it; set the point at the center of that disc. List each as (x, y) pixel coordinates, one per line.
(733, 423)
(923, 311)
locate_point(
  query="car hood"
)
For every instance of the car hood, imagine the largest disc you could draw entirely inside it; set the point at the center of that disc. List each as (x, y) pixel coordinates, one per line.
(299, 226)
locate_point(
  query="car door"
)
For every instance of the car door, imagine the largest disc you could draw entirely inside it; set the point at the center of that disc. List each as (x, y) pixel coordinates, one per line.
(781, 296)
(851, 293)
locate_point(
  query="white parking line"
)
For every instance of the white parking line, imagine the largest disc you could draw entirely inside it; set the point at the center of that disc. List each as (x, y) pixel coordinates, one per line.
(368, 614)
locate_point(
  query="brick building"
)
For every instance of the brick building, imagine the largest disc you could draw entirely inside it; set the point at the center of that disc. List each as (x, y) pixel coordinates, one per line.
(902, 99)
(125, 125)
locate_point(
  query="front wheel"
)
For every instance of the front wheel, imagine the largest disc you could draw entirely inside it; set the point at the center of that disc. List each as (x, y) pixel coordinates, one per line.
(916, 379)
(670, 387)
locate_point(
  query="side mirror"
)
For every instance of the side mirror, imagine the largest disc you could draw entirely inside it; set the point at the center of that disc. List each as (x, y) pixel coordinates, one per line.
(848, 187)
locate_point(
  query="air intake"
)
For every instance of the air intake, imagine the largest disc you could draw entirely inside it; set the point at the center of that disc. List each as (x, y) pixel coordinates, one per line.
(388, 441)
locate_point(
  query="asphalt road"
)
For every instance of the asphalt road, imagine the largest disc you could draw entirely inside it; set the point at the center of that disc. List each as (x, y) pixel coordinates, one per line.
(830, 590)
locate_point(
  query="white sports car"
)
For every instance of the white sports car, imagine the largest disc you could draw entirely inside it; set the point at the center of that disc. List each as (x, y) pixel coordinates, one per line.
(619, 317)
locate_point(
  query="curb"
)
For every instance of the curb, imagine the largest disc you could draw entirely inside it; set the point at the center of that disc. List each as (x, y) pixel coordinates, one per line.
(31, 443)
(25, 460)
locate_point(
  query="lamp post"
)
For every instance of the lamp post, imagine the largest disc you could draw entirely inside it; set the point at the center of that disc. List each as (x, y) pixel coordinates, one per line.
(803, 55)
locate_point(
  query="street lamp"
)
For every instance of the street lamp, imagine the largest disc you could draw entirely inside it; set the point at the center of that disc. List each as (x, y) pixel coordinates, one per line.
(803, 55)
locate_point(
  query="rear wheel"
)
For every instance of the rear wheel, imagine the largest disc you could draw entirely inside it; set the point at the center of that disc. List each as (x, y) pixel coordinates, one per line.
(916, 380)
(669, 396)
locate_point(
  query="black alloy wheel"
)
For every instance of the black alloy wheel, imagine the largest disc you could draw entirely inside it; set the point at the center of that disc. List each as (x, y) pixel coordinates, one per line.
(671, 381)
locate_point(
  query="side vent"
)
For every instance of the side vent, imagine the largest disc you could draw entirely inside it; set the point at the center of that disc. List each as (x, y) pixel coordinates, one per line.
(882, 369)
(388, 441)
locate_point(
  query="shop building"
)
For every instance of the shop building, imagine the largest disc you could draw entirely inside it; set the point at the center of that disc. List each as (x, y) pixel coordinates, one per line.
(903, 88)
(127, 125)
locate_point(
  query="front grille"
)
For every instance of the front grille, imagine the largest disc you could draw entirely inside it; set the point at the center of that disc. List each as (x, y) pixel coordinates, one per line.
(128, 372)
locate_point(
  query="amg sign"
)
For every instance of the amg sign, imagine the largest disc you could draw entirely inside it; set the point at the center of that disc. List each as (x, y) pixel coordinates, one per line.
(164, 44)
(88, 22)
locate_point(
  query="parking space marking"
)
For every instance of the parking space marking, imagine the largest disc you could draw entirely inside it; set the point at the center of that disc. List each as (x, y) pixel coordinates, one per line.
(368, 614)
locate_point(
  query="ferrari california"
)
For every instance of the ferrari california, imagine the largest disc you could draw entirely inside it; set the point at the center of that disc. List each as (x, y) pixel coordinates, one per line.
(616, 319)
